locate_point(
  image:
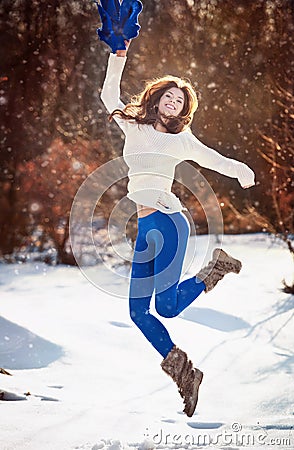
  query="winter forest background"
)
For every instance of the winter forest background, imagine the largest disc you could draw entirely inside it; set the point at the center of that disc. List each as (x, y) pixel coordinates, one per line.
(54, 128)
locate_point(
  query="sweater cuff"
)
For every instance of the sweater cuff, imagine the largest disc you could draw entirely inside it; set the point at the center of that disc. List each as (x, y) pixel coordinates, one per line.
(246, 176)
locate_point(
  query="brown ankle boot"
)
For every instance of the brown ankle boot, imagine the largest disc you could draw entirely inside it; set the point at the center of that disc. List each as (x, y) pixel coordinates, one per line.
(221, 264)
(188, 379)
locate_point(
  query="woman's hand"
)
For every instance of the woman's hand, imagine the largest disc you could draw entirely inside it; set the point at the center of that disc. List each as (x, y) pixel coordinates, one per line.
(124, 52)
(248, 186)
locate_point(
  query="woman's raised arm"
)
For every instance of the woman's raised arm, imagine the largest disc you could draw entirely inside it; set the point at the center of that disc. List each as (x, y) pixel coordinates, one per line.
(110, 93)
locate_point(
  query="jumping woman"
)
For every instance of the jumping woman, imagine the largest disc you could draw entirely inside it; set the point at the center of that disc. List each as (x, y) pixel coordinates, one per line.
(156, 125)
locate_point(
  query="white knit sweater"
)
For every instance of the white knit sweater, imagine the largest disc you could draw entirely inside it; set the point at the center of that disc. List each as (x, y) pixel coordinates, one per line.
(152, 155)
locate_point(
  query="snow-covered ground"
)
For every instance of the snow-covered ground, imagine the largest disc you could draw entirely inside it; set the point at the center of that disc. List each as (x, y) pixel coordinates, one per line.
(96, 383)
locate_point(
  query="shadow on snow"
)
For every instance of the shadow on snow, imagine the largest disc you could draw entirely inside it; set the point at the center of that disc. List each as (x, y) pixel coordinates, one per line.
(214, 319)
(22, 349)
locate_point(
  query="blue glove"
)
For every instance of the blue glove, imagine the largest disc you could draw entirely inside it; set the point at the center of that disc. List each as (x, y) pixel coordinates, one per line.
(129, 13)
(119, 22)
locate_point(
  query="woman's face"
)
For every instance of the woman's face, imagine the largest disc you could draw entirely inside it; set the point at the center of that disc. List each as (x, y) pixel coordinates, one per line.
(171, 103)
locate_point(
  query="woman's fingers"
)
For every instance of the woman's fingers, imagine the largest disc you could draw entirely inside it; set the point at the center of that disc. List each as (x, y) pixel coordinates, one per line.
(127, 43)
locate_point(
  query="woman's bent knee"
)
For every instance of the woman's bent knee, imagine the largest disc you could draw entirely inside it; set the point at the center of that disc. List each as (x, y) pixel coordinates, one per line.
(165, 309)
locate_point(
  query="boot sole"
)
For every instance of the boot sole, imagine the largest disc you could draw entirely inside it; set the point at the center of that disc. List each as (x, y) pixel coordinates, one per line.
(222, 256)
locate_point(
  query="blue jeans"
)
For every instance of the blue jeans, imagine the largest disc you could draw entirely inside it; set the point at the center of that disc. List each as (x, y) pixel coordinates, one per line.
(157, 265)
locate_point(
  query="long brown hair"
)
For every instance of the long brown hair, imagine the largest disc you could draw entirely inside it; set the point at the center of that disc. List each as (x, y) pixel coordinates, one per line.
(143, 108)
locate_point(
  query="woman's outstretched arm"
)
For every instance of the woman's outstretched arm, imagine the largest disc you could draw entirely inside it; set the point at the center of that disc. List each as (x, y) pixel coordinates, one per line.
(211, 159)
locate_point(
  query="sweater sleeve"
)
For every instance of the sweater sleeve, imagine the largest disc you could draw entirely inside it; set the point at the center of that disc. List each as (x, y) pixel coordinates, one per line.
(211, 159)
(110, 94)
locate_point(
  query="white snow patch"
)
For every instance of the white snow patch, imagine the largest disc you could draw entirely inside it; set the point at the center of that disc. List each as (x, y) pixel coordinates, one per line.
(96, 383)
